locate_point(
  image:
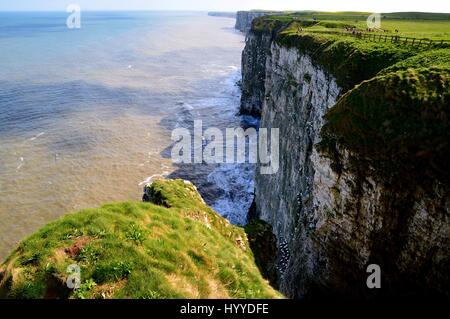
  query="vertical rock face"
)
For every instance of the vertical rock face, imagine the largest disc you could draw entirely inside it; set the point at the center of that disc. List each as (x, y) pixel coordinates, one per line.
(254, 72)
(297, 95)
(331, 223)
(244, 19)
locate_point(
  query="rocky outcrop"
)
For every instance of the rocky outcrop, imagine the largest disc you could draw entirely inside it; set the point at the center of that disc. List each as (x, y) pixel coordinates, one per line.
(332, 212)
(244, 19)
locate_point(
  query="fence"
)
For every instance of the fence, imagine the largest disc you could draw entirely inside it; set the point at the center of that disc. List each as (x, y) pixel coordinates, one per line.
(388, 38)
(400, 40)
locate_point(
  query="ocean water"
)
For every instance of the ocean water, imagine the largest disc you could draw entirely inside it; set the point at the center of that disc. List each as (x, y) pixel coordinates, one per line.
(86, 115)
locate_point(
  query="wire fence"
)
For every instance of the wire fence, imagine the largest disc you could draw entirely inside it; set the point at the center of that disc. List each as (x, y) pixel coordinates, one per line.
(400, 40)
(388, 38)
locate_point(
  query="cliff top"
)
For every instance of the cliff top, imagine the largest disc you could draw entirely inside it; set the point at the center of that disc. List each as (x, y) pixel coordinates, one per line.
(407, 24)
(399, 125)
(175, 247)
(394, 112)
(351, 53)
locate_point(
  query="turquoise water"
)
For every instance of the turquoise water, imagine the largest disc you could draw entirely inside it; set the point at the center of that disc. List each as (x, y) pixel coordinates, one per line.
(86, 114)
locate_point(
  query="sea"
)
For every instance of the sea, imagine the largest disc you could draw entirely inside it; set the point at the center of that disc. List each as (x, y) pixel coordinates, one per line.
(86, 114)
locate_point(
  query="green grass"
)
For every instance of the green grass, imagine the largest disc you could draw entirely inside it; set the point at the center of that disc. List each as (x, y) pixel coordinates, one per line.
(437, 58)
(393, 115)
(180, 248)
(398, 124)
(352, 60)
(410, 24)
(435, 30)
(349, 59)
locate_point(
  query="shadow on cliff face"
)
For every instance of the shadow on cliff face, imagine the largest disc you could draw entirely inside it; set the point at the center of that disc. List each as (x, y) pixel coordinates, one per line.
(263, 244)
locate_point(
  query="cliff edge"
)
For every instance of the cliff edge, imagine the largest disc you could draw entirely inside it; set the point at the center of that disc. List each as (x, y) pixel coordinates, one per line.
(174, 247)
(364, 147)
(244, 19)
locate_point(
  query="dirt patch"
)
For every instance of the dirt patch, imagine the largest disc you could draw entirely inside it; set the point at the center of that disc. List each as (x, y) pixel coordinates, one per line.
(217, 290)
(74, 250)
(183, 285)
(16, 273)
(59, 255)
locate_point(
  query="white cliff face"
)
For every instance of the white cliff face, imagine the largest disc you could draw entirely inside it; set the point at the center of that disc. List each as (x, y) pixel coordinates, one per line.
(332, 223)
(353, 222)
(296, 97)
(254, 72)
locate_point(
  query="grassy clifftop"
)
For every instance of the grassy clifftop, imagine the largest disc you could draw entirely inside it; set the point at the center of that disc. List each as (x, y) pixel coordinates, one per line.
(418, 24)
(398, 123)
(350, 59)
(177, 247)
(394, 113)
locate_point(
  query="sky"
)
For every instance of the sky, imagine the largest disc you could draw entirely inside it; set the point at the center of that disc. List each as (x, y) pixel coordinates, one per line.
(231, 5)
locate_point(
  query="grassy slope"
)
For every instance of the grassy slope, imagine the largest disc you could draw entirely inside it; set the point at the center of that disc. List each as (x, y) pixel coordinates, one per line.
(180, 248)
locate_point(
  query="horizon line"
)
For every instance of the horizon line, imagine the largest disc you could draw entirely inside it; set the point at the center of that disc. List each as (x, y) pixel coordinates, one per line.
(205, 10)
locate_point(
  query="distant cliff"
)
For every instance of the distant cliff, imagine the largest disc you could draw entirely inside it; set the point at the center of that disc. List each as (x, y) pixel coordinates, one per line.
(244, 19)
(222, 14)
(364, 150)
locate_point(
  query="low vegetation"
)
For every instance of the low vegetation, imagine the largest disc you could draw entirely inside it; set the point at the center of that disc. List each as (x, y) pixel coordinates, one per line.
(416, 24)
(394, 112)
(327, 38)
(398, 123)
(176, 248)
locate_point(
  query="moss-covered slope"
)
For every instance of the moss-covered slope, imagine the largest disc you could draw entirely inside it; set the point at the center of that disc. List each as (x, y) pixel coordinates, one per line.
(176, 248)
(395, 111)
(397, 123)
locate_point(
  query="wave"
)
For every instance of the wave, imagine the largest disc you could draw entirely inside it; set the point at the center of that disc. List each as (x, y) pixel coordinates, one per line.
(237, 184)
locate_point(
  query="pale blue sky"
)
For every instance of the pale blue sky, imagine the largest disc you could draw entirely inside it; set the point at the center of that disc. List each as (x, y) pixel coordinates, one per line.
(231, 5)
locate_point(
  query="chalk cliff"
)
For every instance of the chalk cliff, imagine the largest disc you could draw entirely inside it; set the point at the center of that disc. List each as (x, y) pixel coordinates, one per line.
(244, 19)
(362, 176)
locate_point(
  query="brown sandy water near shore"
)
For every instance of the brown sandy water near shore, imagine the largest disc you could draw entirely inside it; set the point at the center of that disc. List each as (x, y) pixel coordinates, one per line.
(81, 130)
(109, 168)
